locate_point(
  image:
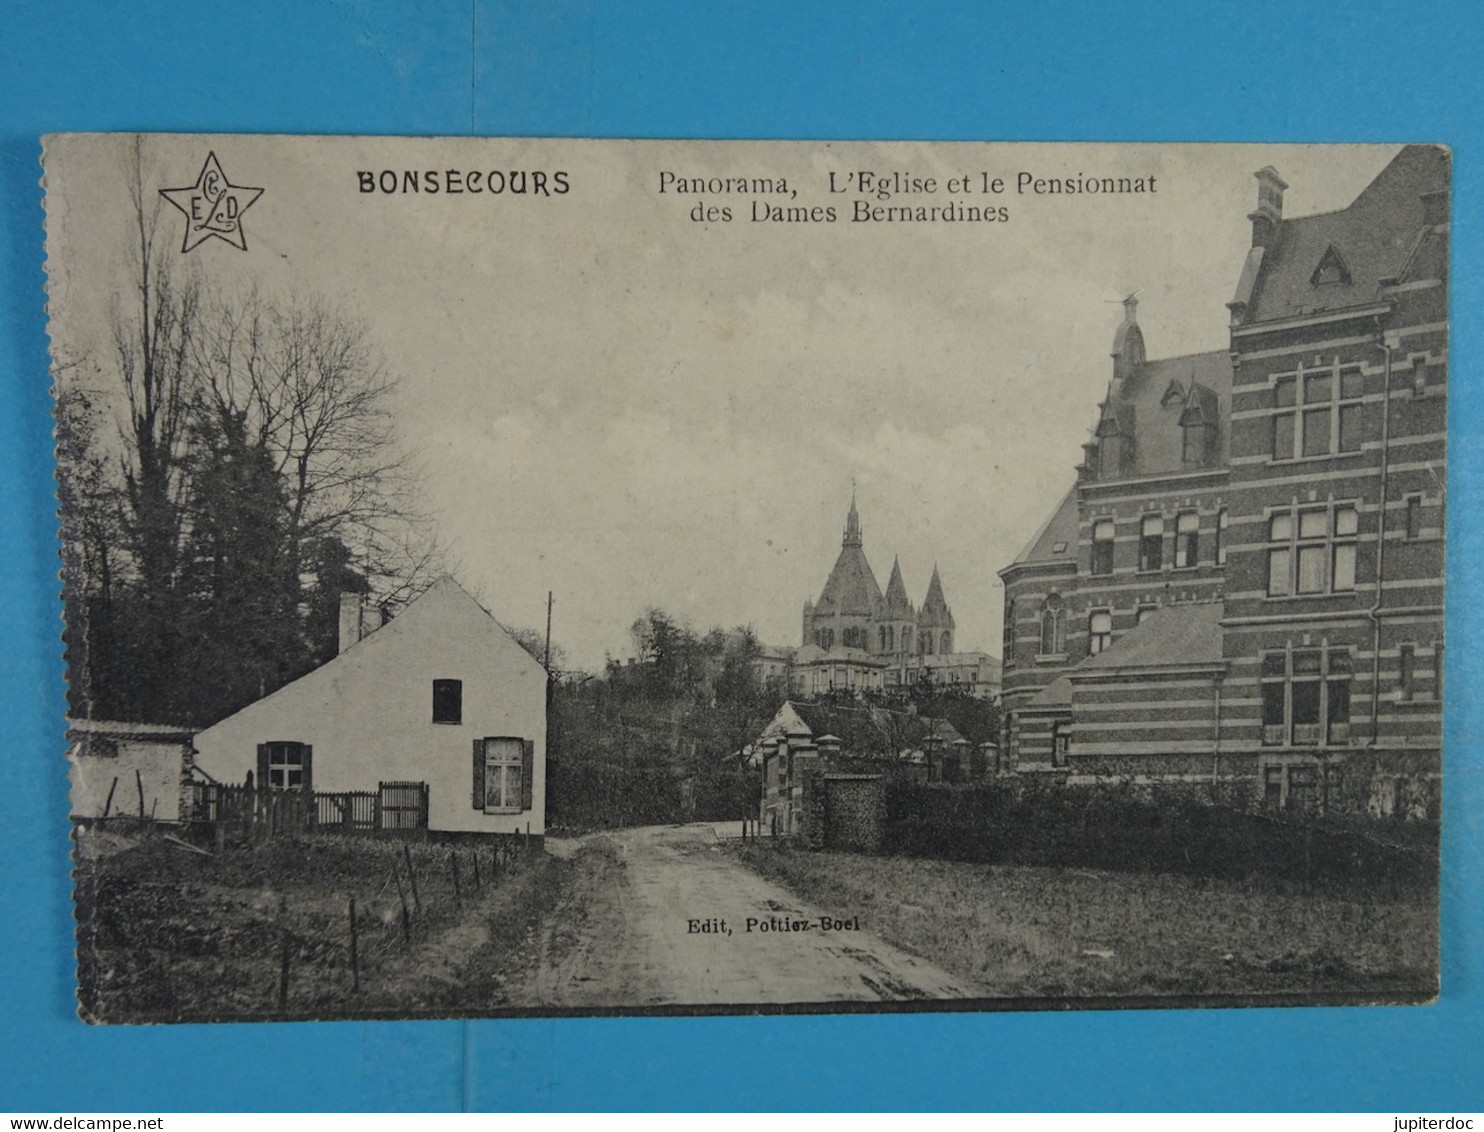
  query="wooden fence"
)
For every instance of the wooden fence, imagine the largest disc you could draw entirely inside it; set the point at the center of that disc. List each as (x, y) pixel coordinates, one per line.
(266, 812)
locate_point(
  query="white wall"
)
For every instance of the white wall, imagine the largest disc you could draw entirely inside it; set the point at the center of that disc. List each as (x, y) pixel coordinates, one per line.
(160, 767)
(368, 713)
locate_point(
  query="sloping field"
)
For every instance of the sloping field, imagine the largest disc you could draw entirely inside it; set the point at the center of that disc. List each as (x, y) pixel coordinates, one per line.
(1022, 931)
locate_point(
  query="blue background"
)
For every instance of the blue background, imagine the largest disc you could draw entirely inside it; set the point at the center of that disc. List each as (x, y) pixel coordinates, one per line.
(1256, 71)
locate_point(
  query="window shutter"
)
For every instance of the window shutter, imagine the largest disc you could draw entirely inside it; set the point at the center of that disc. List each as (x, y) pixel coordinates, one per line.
(479, 774)
(527, 773)
(308, 769)
(262, 781)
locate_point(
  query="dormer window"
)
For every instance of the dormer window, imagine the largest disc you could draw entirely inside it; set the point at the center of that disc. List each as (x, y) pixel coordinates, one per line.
(1197, 440)
(1115, 439)
(1198, 427)
(1331, 270)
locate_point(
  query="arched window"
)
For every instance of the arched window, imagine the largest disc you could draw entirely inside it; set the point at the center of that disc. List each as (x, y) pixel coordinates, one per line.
(927, 643)
(946, 645)
(881, 638)
(1053, 626)
(891, 637)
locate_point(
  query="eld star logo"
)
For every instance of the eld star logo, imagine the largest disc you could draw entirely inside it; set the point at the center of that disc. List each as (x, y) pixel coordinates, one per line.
(213, 206)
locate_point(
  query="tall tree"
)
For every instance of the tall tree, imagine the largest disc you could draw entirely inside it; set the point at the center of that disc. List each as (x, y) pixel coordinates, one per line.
(244, 634)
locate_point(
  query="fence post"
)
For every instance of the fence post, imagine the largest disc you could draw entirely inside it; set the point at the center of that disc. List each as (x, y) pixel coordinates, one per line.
(355, 958)
(283, 947)
(417, 904)
(402, 898)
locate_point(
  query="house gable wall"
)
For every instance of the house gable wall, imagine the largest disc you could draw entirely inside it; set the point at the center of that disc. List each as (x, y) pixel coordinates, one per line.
(368, 713)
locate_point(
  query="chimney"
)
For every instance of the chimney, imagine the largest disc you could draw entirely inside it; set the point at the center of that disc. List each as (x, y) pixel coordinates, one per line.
(351, 626)
(1269, 213)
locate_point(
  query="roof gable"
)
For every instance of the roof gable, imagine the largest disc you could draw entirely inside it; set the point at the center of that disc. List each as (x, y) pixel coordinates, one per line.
(1059, 530)
(443, 612)
(1374, 239)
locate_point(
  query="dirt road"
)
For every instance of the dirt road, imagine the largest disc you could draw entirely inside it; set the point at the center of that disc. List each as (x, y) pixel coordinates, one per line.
(661, 915)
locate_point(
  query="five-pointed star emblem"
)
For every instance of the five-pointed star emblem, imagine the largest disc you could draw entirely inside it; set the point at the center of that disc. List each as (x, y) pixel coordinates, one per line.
(213, 206)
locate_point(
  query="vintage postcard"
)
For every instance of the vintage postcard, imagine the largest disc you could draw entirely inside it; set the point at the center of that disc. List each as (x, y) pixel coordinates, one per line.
(525, 577)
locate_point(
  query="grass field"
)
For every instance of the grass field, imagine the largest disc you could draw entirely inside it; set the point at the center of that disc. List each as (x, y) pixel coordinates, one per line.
(264, 930)
(1020, 931)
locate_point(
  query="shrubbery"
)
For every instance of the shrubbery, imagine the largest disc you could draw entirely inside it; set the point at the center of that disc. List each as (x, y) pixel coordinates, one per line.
(1201, 830)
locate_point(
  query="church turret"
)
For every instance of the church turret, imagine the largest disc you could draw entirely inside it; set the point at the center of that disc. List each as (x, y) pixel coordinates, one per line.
(935, 620)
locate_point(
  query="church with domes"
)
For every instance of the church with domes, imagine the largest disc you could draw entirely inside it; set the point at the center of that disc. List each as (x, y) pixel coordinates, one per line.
(856, 638)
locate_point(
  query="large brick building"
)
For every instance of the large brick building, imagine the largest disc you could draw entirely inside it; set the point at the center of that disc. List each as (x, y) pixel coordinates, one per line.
(1246, 580)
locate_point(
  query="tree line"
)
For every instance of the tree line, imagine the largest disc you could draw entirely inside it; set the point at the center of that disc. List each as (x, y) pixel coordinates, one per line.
(669, 736)
(227, 469)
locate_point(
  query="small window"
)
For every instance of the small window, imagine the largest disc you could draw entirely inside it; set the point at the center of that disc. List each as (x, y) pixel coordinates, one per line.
(1221, 522)
(1151, 543)
(1187, 540)
(1053, 626)
(1414, 516)
(1061, 742)
(503, 762)
(1099, 631)
(1102, 547)
(284, 766)
(1406, 676)
(448, 701)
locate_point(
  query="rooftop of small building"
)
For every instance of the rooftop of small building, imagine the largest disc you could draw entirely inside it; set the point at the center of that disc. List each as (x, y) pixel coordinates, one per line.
(1172, 636)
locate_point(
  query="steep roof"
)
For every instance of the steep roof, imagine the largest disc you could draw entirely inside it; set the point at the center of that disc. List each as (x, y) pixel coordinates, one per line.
(1174, 636)
(897, 603)
(1059, 530)
(1374, 238)
(1057, 694)
(851, 588)
(444, 607)
(1155, 418)
(935, 611)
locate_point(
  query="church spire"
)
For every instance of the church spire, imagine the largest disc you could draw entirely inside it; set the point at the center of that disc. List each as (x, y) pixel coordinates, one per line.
(897, 604)
(852, 522)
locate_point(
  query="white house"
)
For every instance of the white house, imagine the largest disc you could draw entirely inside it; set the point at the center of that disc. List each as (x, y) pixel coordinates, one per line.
(441, 696)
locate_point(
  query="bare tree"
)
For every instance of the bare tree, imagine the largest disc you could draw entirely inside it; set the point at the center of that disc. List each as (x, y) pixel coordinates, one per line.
(314, 393)
(154, 326)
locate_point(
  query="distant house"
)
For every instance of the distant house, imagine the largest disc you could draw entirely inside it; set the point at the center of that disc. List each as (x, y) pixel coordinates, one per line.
(128, 769)
(440, 697)
(857, 741)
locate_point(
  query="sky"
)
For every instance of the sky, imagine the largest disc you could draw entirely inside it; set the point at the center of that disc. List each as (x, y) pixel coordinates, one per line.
(628, 408)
